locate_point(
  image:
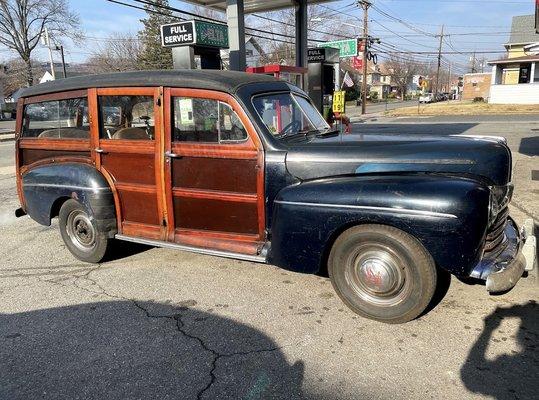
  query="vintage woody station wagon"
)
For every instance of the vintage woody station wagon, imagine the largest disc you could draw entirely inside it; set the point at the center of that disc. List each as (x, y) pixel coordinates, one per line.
(243, 166)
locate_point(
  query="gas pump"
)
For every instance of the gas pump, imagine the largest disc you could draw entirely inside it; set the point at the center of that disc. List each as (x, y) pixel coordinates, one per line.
(323, 76)
(293, 75)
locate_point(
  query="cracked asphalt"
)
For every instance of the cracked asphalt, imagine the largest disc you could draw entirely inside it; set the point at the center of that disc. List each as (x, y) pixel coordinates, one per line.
(157, 323)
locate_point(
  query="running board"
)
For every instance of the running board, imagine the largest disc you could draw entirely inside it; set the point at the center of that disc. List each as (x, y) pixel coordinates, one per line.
(199, 250)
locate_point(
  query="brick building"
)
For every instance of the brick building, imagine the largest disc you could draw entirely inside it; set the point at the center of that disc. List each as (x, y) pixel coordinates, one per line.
(476, 85)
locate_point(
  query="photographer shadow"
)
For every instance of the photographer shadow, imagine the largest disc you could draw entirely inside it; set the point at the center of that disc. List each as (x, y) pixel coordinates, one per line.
(511, 375)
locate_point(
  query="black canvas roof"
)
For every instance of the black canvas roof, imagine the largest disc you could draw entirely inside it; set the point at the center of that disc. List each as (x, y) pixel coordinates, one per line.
(225, 81)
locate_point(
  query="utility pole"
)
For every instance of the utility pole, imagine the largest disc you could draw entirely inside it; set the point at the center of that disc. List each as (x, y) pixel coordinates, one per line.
(48, 44)
(439, 61)
(473, 60)
(61, 50)
(449, 80)
(365, 5)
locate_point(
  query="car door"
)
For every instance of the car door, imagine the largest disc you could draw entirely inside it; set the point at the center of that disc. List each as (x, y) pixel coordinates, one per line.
(214, 175)
(126, 147)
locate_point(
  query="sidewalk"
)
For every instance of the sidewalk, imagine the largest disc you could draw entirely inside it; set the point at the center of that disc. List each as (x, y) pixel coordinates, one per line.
(7, 136)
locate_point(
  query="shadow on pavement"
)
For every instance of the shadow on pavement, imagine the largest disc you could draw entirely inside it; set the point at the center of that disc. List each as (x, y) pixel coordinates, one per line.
(529, 146)
(411, 129)
(119, 249)
(507, 376)
(127, 349)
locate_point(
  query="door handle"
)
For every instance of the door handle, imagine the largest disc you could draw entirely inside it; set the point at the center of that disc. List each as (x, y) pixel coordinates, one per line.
(170, 154)
(99, 150)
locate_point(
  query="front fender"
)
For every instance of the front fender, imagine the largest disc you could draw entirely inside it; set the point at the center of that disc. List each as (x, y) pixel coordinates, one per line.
(448, 215)
(45, 185)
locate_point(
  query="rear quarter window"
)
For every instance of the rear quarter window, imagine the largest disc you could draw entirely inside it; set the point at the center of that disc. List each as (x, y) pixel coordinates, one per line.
(57, 119)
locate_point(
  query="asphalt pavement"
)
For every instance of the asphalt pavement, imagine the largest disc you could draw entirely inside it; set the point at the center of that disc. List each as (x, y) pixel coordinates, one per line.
(158, 323)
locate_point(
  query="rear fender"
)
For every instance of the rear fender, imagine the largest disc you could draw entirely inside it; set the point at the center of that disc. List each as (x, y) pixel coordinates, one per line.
(448, 215)
(46, 187)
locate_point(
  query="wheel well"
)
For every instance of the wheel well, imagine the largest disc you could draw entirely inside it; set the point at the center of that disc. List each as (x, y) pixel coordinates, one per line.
(323, 271)
(55, 209)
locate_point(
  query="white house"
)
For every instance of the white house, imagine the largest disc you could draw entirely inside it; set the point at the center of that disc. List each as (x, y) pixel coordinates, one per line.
(515, 79)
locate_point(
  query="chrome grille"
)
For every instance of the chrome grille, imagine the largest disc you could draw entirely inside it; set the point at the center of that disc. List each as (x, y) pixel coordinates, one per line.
(496, 238)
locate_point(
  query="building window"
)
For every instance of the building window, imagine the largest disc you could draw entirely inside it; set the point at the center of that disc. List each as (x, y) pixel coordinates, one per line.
(536, 77)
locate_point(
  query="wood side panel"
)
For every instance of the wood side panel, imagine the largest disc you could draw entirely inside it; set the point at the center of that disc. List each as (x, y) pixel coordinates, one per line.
(117, 203)
(210, 242)
(56, 160)
(228, 151)
(167, 177)
(56, 96)
(28, 157)
(55, 144)
(130, 168)
(139, 207)
(127, 91)
(93, 116)
(127, 146)
(141, 230)
(216, 215)
(215, 195)
(159, 161)
(220, 174)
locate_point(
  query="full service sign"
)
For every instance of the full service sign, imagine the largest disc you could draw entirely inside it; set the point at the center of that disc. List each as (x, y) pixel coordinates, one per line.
(192, 33)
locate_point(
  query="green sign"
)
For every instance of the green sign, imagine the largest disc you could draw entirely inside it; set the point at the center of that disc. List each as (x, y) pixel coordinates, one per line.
(210, 34)
(347, 48)
(194, 33)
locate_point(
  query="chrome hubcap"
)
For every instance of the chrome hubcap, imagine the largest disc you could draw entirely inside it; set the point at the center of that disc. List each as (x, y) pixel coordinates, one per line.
(80, 230)
(377, 274)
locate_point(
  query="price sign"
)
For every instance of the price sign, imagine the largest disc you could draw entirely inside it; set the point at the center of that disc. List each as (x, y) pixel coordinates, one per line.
(338, 102)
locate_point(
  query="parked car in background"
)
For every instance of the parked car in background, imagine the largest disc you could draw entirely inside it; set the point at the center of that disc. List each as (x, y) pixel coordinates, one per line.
(427, 98)
(243, 166)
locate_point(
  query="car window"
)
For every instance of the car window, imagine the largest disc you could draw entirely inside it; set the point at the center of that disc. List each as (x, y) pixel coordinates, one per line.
(57, 119)
(126, 117)
(205, 120)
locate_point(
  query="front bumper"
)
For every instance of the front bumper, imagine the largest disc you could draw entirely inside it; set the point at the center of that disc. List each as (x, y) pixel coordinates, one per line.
(503, 270)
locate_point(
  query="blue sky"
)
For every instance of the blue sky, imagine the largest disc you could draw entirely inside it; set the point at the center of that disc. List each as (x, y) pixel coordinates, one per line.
(100, 18)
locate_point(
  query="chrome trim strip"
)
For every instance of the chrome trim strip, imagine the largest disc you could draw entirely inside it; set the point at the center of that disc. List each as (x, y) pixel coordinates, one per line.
(55, 185)
(296, 158)
(198, 250)
(372, 208)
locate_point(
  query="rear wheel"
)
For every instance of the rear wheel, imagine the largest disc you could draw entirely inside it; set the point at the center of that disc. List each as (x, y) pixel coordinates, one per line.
(382, 273)
(80, 233)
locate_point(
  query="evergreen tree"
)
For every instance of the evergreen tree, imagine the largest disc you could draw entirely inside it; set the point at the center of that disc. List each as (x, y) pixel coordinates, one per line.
(153, 55)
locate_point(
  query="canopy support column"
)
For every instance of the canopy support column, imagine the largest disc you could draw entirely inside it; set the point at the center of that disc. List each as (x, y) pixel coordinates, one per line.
(301, 36)
(236, 32)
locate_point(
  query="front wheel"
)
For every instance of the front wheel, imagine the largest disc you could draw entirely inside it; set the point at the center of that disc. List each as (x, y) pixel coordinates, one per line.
(382, 273)
(80, 233)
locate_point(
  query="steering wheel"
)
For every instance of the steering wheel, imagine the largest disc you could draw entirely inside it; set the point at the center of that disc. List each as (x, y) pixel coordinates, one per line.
(291, 127)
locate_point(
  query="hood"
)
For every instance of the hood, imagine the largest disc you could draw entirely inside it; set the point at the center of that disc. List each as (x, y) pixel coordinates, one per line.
(487, 158)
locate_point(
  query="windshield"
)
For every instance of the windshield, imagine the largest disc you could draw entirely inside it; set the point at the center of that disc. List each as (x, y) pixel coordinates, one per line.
(286, 114)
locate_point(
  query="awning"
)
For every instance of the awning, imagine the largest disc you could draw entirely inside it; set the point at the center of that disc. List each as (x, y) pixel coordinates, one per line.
(252, 6)
(516, 60)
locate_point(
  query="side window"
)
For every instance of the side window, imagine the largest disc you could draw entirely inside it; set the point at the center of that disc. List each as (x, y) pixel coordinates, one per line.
(126, 117)
(57, 119)
(206, 121)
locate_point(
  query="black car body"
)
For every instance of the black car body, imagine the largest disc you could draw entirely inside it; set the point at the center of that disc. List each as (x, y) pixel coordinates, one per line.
(384, 215)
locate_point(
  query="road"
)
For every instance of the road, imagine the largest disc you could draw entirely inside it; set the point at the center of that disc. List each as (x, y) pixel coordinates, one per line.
(7, 126)
(7, 154)
(157, 323)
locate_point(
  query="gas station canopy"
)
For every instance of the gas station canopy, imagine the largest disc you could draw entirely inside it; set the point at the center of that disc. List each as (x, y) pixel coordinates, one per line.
(252, 6)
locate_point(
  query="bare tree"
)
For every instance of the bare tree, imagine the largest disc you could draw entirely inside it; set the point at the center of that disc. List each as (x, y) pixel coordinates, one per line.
(402, 72)
(23, 22)
(120, 52)
(14, 75)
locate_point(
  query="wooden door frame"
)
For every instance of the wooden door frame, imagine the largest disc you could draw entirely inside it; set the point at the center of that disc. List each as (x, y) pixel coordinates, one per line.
(250, 149)
(129, 146)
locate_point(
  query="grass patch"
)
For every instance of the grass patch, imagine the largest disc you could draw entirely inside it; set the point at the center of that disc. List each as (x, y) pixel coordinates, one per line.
(463, 108)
